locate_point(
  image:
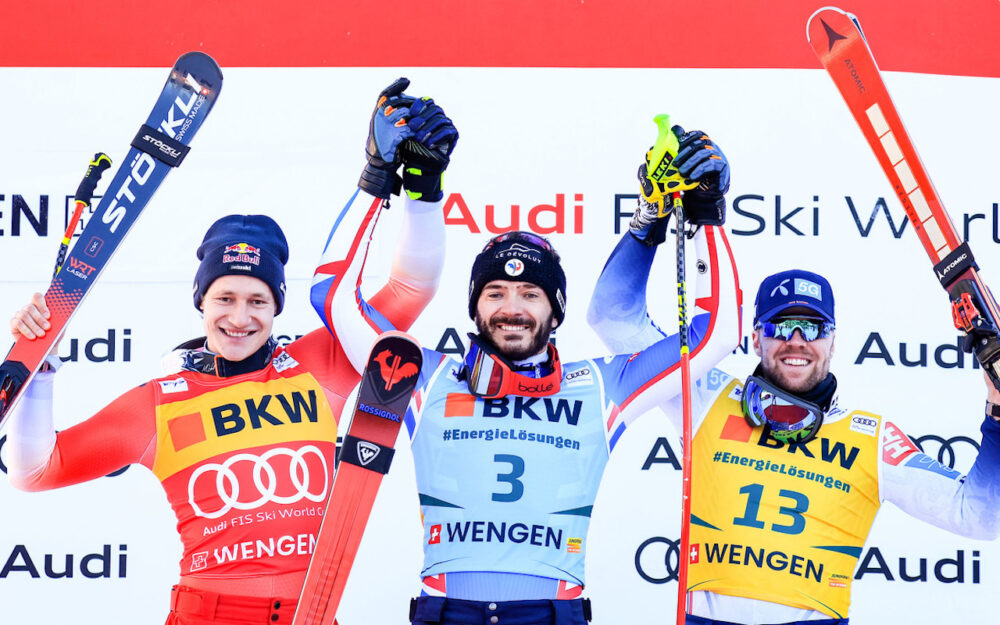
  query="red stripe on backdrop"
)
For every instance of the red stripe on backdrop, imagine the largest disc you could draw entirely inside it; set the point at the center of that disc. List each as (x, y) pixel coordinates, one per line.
(930, 36)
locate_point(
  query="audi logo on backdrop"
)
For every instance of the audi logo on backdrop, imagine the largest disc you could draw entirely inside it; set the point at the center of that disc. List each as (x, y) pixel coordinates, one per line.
(957, 451)
(258, 472)
(657, 560)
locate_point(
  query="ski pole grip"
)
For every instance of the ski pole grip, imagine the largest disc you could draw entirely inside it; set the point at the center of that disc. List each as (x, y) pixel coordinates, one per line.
(85, 192)
(663, 151)
(660, 158)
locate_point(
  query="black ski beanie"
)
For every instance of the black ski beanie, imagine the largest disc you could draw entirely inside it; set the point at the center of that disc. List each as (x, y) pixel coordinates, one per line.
(243, 245)
(520, 257)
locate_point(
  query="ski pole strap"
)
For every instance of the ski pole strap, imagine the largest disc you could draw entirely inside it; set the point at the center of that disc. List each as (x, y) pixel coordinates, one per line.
(955, 264)
(160, 146)
(366, 454)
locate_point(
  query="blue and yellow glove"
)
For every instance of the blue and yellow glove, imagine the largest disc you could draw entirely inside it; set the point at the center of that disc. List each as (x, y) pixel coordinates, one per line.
(688, 163)
(427, 154)
(649, 223)
(386, 132)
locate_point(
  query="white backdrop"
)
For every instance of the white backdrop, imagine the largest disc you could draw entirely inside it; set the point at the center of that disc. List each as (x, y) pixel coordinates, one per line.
(289, 143)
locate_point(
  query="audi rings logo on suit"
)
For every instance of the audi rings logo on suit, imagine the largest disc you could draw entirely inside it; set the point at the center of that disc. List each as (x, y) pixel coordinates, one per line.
(231, 490)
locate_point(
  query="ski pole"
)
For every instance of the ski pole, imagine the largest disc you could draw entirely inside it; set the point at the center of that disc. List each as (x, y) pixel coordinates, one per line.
(83, 197)
(662, 155)
(13, 374)
(682, 568)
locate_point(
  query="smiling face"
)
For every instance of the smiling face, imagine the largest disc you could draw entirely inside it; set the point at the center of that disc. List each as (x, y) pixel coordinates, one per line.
(795, 365)
(239, 314)
(516, 317)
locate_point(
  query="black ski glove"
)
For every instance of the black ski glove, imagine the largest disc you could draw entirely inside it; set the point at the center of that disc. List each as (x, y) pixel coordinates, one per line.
(427, 154)
(698, 158)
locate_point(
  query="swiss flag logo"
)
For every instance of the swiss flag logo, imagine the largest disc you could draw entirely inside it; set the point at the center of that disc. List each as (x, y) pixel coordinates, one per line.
(435, 535)
(693, 556)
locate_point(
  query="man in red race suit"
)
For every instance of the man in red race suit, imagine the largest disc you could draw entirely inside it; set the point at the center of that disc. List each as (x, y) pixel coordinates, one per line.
(241, 434)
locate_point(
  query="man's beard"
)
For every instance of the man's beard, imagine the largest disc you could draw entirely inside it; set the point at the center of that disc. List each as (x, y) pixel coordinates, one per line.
(818, 374)
(539, 335)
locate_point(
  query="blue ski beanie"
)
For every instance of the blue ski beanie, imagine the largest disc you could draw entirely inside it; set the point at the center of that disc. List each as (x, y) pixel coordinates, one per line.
(520, 257)
(794, 288)
(243, 245)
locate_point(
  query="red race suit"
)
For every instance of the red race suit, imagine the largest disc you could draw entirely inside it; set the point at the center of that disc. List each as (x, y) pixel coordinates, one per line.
(245, 451)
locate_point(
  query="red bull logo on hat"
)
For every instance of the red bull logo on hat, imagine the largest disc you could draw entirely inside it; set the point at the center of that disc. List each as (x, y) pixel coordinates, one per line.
(241, 253)
(242, 248)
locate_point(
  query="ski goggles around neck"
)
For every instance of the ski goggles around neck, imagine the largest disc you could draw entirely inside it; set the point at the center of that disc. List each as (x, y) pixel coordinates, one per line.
(783, 328)
(490, 375)
(790, 418)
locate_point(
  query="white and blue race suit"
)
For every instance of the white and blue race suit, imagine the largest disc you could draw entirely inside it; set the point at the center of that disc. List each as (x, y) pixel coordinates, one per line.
(507, 485)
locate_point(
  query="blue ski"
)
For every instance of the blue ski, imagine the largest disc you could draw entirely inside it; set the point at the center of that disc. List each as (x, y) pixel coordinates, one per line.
(160, 145)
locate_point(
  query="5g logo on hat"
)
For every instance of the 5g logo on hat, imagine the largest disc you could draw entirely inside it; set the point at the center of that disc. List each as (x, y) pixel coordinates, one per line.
(794, 289)
(809, 289)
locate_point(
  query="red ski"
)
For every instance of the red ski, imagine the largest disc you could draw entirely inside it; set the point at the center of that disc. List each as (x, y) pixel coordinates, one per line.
(386, 388)
(837, 40)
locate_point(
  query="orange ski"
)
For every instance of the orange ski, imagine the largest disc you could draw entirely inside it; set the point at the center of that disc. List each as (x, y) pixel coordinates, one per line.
(837, 40)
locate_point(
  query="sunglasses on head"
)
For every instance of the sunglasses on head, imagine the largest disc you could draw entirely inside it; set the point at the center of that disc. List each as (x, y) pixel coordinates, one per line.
(811, 328)
(520, 235)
